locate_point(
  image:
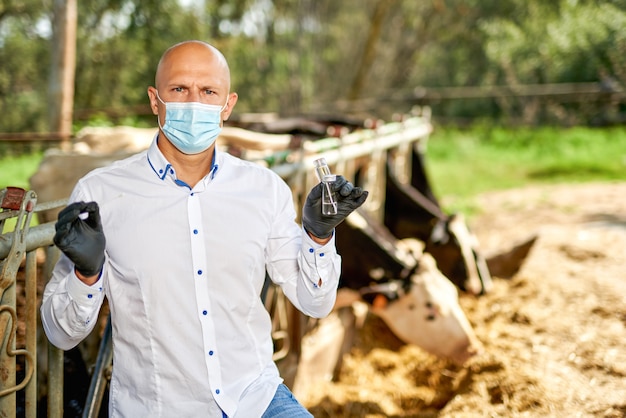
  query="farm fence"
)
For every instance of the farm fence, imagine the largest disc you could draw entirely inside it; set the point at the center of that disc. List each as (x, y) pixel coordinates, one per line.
(359, 156)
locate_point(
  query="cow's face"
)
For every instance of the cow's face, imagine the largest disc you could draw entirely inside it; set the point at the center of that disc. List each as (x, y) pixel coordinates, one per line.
(456, 250)
(428, 315)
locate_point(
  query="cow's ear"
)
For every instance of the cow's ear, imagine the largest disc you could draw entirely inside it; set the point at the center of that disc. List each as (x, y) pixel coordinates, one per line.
(380, 301)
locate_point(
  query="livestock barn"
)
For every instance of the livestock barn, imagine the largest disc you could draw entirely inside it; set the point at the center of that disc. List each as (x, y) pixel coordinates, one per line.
(405, 259)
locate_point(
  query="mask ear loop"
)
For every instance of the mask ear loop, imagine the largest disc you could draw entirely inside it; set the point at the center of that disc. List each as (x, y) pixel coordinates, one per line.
(223, 108)
(225, 104)
(164, 104)
(159, 97)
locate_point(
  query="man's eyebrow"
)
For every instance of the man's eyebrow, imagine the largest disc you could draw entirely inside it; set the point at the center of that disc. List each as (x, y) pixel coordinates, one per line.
(211, 87)
(178, 83)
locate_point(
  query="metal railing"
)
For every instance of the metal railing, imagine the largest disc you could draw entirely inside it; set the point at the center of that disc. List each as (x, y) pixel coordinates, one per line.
(358, 156)
(18, 251)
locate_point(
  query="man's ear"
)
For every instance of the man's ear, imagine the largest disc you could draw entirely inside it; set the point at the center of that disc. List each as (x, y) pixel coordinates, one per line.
(230, 104)
(154, 103)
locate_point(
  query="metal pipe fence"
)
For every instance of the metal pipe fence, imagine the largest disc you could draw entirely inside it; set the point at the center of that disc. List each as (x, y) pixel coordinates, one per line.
(358, 156)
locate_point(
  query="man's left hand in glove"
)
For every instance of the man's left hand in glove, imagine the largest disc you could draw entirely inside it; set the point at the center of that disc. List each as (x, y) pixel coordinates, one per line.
(348, 197)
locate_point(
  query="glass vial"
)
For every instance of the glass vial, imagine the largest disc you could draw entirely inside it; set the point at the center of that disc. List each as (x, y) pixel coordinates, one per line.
(329, 201)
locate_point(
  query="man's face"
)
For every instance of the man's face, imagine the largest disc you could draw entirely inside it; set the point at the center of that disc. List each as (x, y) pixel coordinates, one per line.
(191, 73)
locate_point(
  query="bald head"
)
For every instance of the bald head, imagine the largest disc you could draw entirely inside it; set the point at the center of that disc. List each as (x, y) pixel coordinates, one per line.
(192, 56)
(192, 71)
(190, 53)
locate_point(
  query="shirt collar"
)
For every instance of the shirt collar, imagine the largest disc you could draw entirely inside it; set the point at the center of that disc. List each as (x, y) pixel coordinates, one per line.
(162, 168)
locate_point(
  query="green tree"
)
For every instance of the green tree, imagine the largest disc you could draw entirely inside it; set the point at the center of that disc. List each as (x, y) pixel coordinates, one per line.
(295, 56)
(23, 63)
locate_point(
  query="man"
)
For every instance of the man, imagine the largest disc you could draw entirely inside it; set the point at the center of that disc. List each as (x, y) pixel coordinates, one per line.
(179, 239)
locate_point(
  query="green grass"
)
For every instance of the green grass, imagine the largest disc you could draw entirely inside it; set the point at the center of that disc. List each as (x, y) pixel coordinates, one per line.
(16, 170)
(464, 163)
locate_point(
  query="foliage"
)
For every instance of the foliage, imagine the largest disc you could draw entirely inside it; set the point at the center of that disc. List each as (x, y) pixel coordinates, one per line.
(24, 58)
(573, 42)
(303, 56)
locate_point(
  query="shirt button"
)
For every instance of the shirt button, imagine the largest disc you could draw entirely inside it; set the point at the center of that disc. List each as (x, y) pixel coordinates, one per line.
(192, 194)
(217, 391)
(210, 352)
(195, 231)
(199, 272)
(321, 254)
(311, 250)
(89, 296)
(204, 312)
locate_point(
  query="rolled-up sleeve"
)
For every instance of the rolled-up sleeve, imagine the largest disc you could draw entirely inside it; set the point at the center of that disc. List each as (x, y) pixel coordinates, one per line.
(69, 308)
(320, 268)
(307, 272)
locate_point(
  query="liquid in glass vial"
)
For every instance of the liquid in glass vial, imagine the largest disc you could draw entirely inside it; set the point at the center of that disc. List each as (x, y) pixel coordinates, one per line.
(329, 200)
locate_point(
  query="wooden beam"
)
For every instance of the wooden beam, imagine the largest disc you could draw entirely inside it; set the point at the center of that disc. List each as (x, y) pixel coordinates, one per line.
(62, 71)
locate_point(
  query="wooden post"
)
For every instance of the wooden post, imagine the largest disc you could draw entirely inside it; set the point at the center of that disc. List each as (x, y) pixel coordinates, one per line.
(63, 63)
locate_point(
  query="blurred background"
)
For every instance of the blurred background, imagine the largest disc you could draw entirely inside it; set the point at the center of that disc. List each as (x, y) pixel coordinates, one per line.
(530, 62)
(521, 91)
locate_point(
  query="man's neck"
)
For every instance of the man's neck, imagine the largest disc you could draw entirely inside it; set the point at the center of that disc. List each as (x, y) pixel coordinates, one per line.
(189, 168)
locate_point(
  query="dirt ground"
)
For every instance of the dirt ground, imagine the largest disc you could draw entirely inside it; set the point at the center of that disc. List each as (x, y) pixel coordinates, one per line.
(554, 334)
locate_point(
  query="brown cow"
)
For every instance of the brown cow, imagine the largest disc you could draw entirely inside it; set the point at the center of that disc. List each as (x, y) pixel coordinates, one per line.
(396, 281)
(412, 211)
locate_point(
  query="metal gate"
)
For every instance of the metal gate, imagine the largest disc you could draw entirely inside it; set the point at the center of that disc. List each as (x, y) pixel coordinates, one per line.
(360, 156)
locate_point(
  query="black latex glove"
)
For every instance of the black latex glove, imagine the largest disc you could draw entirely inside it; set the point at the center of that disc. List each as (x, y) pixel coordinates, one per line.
(82, 241)
(348, 199)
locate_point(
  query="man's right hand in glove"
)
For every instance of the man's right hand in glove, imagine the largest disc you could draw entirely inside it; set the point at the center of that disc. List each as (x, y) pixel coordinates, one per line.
(79, 235)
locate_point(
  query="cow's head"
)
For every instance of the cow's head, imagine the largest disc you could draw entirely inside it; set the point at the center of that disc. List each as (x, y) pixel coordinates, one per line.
(458, 257)
(424, 310)
(412, 211)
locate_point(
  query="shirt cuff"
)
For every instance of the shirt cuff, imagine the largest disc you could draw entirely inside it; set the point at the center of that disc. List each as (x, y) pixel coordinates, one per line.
(84, 294)
(312, 250)
(321, 261)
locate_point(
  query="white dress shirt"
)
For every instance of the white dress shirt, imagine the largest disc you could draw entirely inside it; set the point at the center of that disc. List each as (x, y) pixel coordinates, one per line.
(183, 275)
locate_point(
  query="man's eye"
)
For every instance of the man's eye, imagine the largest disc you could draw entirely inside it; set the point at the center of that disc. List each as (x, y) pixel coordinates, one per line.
(178, 89)
(209, 92)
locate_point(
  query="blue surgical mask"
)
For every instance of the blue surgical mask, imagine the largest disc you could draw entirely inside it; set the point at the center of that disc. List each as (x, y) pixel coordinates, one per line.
(192, 127)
